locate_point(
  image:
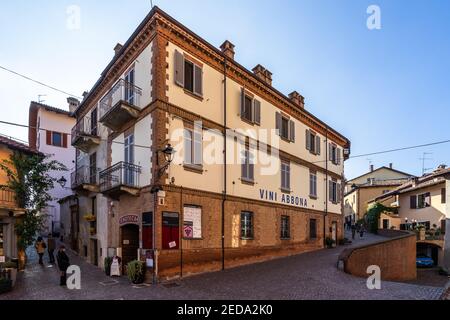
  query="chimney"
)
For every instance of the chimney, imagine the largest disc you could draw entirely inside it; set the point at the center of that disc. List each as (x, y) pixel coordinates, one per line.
(228, 49)
(263, 74)
(117, 48)
(73, 104)
(371, 168)
(391, 166)
(297, 99)
(85, 93)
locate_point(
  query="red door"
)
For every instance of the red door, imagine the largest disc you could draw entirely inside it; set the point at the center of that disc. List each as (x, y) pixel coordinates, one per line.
(147, 230)
(170, 231)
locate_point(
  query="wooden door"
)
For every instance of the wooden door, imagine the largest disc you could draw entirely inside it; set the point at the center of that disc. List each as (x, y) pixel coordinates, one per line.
(130, 243)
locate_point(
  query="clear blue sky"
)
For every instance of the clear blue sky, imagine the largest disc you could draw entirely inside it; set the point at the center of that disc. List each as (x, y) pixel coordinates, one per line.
(382, 89)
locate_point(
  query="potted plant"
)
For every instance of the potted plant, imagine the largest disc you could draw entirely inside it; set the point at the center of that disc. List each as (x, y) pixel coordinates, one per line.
(89, 217)
(329, 242)
(11, 268)
(5, 285)
(136, 271)
(107, 263)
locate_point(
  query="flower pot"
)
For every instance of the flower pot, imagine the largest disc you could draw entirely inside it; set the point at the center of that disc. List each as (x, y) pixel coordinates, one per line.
(139, 279)
(13, 275)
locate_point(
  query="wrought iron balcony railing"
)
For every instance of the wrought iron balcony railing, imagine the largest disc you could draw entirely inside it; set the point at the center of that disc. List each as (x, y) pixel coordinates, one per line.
(122, 91)
(120, 174)
(84, 175)
(84, 127)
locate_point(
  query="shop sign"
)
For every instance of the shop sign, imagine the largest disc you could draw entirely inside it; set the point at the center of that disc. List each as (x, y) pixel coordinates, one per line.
(129, 219)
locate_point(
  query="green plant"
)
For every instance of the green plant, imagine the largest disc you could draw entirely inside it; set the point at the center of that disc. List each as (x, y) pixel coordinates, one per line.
(329, 242)
(373, 215)
(9, 265)
(107, 263)
(136, 271)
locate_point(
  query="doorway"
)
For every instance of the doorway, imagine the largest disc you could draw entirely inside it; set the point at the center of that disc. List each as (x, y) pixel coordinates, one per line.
(170, 231)
(334, 232)
(74, 228)
(94, 252)
(130, 244)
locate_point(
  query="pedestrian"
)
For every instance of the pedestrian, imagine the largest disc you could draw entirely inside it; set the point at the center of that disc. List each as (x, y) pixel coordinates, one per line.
(51, 246)
(63, 264)
(353, 231)
(361, 232)
(40, 248)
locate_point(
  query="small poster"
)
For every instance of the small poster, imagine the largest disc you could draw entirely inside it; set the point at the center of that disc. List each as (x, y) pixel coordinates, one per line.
(2, 259)
(172, 244)
(115, 267)
(192, 224)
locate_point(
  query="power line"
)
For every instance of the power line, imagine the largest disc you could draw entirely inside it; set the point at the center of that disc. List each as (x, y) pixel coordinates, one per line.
(39, 82)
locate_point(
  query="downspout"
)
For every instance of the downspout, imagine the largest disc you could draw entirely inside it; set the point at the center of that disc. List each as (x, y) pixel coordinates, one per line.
(224, 193)
(326, 188)
(181, 232)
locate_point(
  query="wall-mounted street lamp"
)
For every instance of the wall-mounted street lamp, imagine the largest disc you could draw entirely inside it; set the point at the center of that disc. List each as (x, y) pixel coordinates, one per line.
(62, 181)
(168, 152)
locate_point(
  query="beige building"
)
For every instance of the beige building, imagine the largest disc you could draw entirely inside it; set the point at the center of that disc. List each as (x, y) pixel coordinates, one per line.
(254, 174)
(360, 190)
(425, 201)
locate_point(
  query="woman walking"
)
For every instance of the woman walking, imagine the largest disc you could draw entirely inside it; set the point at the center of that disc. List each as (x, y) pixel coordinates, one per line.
(40, 249)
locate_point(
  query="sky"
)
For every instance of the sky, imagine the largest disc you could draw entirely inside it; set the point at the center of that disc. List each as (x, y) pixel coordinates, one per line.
(382, 88)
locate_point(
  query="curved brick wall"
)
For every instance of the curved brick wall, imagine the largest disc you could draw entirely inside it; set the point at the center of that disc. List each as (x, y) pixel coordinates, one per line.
(396, 257)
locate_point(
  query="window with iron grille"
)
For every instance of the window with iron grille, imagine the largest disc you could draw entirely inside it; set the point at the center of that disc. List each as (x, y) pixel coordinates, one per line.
(285, 227)
(246, 225)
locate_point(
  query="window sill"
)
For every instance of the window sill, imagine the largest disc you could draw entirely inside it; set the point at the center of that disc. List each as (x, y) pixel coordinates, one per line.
(313, 197)
(286, 190)
(193, 95)
(195, 239)
(285, 239)
(285, 139)
(193, 168)
(247, 238)
(247, 182)
(248, 121)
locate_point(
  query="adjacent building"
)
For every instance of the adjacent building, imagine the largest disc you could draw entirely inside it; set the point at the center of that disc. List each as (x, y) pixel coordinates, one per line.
(10, 210)
(186, 153)
(424, 201)
(364, 188)
(49, 133)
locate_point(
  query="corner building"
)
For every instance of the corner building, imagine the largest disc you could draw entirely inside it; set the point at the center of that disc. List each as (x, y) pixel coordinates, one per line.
(167, 86)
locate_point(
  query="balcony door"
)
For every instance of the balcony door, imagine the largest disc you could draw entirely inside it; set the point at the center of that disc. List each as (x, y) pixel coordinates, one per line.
(93, 168)
(129, 87)
(129, 160)
(94, 122)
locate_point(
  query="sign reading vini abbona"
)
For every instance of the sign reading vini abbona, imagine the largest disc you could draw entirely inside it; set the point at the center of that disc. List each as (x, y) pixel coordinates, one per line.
(292, 200)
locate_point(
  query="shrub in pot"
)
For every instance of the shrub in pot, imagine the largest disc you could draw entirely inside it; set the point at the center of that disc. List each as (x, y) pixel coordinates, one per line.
(5, 285)
(329, 242)
(108, 262)
(11, 268)
(136, 271)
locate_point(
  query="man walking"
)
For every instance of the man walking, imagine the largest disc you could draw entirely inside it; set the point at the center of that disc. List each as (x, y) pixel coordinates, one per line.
(51, 246)
(63, 264)
(353, 231)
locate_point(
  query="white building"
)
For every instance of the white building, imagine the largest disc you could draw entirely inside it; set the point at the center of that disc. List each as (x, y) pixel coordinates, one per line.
(49, 133)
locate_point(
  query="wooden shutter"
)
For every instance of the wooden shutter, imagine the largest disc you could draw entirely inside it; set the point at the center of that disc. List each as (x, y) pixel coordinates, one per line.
(308, 140)
(317, 145)
(278, 122)
(330, 191)
(330, 152)
(338, 155)
(443, 195)
(413, 202)
(64, 142)
(292, 130)
(49, 137)
(338, 192)
(242, 107)
(256, 111)
(179, 68)
(427, 199)
(198, 80)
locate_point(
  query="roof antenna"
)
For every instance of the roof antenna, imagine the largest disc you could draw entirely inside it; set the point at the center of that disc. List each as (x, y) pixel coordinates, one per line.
(151, 3)
(39, 98)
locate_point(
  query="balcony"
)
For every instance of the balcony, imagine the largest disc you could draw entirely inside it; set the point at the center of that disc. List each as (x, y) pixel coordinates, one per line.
(85, 135)
(85, 178)
(8, 200)
(120, 105)
(122, 178)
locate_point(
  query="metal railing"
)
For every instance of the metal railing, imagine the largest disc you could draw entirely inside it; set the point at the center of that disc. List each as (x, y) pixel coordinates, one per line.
(121, 91)
(7, 197)
(120, 174)
(84, 175)
(84, 127)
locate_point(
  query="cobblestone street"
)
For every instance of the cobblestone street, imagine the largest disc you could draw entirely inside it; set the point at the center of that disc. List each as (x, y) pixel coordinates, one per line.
(307, 276)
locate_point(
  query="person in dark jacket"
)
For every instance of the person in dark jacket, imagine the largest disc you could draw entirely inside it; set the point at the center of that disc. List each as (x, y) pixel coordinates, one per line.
(51, 246)
(353, 231)
(63, 264)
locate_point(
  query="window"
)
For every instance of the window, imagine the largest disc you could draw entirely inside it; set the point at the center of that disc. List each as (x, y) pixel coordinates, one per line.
(423, 200)
(250, 108)
(285, 176)
(56, 139)
(313, 184)
(192, 224)
(246, 225)
(193, 147)
(285, 228)
(312, 229)
(188, 74)
(413, 202)
(334, 191)
(334, 154)
(94, 122)
(129, 87)
(443, 195)
(285, 127)
(93, 168)
(170, 231)
(247, 166)
(312, 142)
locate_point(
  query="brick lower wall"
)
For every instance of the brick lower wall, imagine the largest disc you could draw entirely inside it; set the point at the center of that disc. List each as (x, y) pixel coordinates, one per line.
(396, 257)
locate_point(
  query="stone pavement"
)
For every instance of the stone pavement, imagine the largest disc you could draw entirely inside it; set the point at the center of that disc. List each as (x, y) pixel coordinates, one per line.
(311, 275)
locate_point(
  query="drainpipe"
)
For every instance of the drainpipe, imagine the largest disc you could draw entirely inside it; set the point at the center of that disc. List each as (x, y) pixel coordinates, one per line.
(181, 232)
(326, 188)
(224, 193)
